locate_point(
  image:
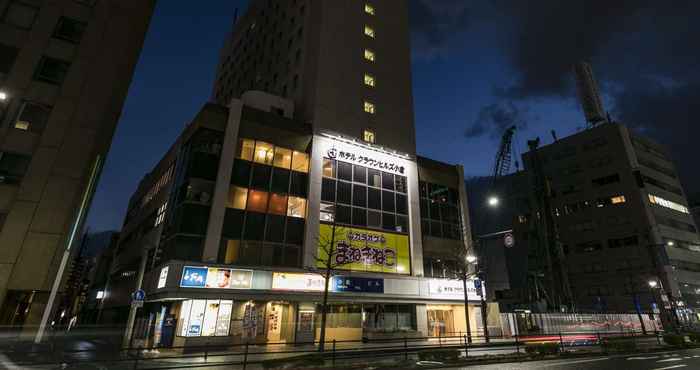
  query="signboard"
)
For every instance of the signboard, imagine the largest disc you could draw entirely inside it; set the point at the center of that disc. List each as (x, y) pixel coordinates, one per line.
(298, 282)
(138, 295)
(363, 157)
(357, 284)
(216, 278)
(509, 240)
(452, 289)
(163, 277)
(366, 250)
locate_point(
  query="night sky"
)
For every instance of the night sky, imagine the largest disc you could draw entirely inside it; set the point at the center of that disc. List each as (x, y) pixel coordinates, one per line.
(478, 67)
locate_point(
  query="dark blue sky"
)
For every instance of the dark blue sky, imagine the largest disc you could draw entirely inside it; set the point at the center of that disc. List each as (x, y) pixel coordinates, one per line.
(478, 67)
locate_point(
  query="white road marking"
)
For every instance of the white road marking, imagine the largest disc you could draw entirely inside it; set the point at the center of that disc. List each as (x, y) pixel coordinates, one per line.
(671, 359)
(670, 367)
(575, 362)
(5, 361)
(642, 358)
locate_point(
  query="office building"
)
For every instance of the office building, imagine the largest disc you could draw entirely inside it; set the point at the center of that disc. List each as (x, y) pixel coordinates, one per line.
(65, 68)
(230, 222)
(622, 220)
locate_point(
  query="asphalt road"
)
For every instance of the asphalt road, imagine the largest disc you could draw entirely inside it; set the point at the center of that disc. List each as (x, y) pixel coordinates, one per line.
(685, 359)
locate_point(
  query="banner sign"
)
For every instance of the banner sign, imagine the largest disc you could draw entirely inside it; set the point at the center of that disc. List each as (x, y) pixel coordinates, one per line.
(364, 250)
(452, 289)
(298, 282)
(216, 278)
(357, 284)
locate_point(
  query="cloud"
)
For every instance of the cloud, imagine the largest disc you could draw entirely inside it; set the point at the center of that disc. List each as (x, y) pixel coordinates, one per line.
(434, 23)
(494, 119)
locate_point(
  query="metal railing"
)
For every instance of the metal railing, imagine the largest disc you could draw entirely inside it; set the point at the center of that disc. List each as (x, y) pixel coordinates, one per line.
(246, 354)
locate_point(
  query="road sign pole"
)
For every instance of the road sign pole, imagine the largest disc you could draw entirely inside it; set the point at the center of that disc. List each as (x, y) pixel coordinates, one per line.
(129, 331)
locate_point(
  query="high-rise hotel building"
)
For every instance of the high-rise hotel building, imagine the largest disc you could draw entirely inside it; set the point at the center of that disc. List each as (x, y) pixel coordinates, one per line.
(309, 139)
(65, 69)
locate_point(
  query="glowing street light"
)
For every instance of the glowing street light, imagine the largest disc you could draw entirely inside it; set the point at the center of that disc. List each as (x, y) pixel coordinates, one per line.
(670, 243)
(471, 258)
(653, 283)
(3, 96)
(493, 201)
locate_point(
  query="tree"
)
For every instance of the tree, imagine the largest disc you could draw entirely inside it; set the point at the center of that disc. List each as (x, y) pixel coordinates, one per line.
(463, 269)
(329, 257)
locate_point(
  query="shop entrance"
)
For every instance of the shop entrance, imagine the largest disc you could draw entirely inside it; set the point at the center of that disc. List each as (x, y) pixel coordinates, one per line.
(280, 322)
(440, 321)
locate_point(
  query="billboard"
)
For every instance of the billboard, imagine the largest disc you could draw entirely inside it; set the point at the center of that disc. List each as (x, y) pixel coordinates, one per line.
(454, 289)
(298, 282)
(365, 250)
(357, 284)
(216, 278)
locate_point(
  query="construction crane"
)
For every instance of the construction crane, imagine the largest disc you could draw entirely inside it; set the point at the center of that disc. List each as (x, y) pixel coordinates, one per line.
(504, 157)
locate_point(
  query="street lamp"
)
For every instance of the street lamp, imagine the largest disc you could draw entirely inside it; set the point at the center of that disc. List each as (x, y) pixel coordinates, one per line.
(493, 201)
(471, 258)
(653, 284)
(3, 96)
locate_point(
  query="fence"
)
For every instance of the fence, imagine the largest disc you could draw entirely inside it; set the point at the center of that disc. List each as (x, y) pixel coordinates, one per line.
(247, 354)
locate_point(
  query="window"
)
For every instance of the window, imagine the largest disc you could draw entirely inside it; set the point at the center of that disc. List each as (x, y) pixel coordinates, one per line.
(369, 107)
(369, 80)
(369, 31)
(263, 153)
(20, 15)
(369, 55)
(327, 212)
(328, 168)
(246, 148)
(69, 30)
(375, 178)
(257, 201)
(13, 167)
(278, 204)
(51, 70)
(205, 318)
(283, 158)
(300, 162)
(653, 199)
(618, 199)
(8, 54)
(369, 9)
(296, 207)
(368, 135)
(32, 117)
(160, 216)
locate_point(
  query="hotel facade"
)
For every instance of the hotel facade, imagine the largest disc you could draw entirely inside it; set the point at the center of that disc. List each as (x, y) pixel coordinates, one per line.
(307, 143)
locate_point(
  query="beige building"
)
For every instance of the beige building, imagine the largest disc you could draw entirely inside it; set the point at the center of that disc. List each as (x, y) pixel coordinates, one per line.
(65, 68)
(345, 65)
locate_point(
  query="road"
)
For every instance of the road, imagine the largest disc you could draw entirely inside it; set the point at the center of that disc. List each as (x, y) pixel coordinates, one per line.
(684, 359)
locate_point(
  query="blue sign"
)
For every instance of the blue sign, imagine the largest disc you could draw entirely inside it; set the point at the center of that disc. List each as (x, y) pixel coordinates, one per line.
(139, 295)
(194, 277)
(477, 286)
(357, 284)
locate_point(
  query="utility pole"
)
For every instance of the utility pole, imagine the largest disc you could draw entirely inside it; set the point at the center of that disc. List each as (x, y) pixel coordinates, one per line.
(129, 330)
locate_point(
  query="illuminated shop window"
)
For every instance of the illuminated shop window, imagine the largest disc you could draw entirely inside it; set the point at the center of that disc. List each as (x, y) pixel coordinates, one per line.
(300, 162)
(246, 147)
(237, 197)
(369, 55)
(368, 136)
(296, 207)
(369, 80)
(206, 318)
(263, 153)
(283, 158)
(618, 199)
(328, 168)
(369, 31)
(369, 9)
(369, 107)
(257, 201)
(327, 212)
(278, 204)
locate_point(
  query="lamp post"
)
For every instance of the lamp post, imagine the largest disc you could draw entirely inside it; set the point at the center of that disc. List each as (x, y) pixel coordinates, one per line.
(652, 284)
(658, 265)
(471, 259)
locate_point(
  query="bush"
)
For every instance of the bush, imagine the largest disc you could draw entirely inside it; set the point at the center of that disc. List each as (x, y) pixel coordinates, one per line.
(694, 337)
(443, 355)
(620, 344)
(294, 363)
(542, 348)
(674, 339)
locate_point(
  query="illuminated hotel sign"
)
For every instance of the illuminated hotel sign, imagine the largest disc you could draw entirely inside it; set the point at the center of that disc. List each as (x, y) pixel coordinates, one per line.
(452, 289)
(366, 250)
(364, 157)
(298, 282)
(216, 278)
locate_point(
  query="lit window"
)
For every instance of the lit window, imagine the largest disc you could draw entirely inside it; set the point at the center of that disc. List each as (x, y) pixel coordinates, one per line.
(369, 80)
(369, 9)
(369, 55)
(263, 153)
(653, 199)
(327, 212)
(328, 168)
(369, 31)
(22, 125)
(246, 147)
(300, 162)
(232, 251)
(278, 204)
(237, 197)
(257, 201)
(368, 136)
(618, 199)
(296, 207)
(369, 107)
(283, 157)
(160, 216)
